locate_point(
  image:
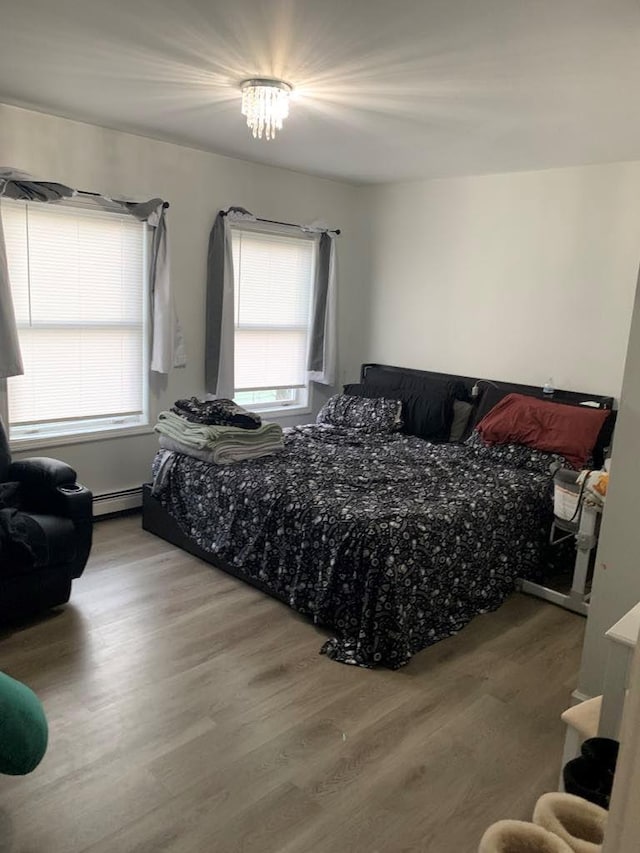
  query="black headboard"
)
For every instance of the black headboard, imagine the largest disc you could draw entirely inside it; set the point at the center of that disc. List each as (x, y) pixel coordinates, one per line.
(574, 398)
(491, 391)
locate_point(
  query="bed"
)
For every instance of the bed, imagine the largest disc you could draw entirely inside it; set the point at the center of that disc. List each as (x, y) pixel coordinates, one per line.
(390, 542)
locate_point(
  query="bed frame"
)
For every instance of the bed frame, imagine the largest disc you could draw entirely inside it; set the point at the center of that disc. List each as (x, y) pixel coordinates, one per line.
(157, 520)
(572, 398)
(577, 599)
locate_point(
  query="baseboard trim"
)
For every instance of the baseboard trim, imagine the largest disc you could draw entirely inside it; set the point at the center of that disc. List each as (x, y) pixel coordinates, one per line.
(117, 501)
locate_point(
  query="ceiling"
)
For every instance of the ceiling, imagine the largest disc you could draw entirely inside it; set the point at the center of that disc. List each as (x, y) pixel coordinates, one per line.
(385, 89)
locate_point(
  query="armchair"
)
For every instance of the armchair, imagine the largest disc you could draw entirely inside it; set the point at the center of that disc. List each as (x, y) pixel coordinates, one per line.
(45, 533)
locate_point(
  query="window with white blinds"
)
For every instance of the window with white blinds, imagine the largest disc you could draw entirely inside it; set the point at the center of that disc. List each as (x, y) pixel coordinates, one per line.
(273, 278)
(79, 289)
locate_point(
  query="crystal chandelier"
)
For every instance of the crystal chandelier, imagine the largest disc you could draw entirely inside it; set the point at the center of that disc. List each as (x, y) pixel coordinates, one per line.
(265, 103)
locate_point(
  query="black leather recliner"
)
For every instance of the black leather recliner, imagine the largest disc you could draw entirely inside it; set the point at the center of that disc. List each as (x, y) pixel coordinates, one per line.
(45, 533)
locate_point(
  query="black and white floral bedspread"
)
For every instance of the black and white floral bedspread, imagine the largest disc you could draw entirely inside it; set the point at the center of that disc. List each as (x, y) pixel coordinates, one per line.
(391, 542)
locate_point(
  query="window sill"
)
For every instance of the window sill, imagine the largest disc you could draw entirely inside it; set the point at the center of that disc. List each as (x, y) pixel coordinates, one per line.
(287, 412)
(37, 442)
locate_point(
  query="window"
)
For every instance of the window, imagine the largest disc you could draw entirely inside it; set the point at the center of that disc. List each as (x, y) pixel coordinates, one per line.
(273, 278)
(78, 281)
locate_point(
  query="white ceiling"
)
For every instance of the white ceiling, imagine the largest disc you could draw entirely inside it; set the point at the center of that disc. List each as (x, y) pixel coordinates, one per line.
(385, 89)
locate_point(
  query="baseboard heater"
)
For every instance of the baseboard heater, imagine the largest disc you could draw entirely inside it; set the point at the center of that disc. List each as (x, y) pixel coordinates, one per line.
(117, 501)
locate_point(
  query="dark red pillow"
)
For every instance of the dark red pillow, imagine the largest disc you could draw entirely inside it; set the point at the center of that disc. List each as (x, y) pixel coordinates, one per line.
(571, 431)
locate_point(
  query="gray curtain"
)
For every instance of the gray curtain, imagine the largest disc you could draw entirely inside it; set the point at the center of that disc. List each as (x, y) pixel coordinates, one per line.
(321, 362)
(36, 190)
(167, 347)
(167, 341)
(10, 355)
(219, 346)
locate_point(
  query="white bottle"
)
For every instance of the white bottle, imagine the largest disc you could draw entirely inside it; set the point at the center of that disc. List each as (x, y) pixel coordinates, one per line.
(547, 389)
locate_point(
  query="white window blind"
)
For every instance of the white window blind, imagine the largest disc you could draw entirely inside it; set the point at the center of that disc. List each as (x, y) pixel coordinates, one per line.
(78, 284)
(273, 277)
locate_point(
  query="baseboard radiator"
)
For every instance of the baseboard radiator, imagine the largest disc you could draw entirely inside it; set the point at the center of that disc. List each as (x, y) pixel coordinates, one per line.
(117, 501)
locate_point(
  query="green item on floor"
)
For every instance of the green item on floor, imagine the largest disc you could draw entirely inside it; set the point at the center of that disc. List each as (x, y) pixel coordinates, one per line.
(23, 728)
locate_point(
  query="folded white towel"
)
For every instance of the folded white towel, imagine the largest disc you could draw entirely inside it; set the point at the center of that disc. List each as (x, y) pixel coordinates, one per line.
(210, 436)
(223, 455)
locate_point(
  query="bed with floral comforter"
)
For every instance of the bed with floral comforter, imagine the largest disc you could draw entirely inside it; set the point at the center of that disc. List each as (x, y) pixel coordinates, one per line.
(390, 542)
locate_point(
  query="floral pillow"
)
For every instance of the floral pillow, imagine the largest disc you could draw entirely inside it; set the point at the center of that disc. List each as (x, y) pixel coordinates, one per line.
(515, 455)
(363, 413)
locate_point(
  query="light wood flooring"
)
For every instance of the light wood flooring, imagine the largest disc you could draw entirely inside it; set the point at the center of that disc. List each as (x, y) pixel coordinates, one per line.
(190, 713)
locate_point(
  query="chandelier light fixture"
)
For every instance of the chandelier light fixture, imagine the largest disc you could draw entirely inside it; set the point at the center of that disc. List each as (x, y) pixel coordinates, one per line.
(265, 103)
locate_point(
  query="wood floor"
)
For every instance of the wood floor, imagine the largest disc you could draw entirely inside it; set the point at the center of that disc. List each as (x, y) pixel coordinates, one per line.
(189, 712)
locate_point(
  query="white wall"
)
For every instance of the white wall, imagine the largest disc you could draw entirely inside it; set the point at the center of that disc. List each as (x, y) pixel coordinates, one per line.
(516, 277)
(616, 583)
(197, 184)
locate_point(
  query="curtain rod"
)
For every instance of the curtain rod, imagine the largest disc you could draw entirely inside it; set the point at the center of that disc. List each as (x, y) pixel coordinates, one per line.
(335, 231)
(165, 204)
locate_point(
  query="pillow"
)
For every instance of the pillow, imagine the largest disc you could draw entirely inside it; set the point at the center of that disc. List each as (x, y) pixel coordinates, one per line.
(491, 394)
(570, 431)
(461, 414)
(514, 456)
(368, 415)
(425, 415)
(418, 383)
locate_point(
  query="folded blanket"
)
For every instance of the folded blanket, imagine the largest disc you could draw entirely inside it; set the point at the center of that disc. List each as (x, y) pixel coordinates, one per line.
(210, 436)
(221, 412)
(223, 454)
